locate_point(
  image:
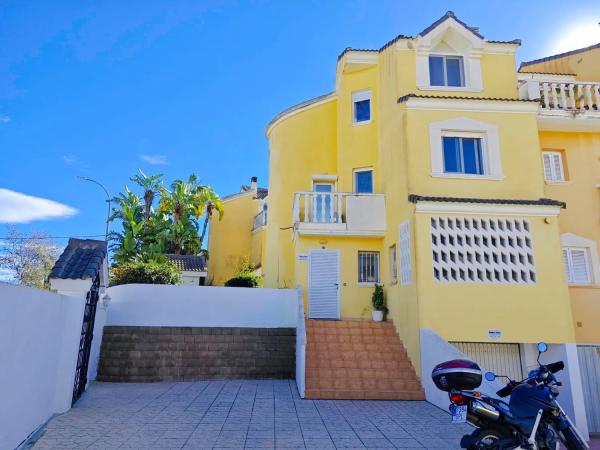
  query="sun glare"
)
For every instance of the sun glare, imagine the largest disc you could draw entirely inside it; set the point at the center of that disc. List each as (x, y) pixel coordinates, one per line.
(578, 36)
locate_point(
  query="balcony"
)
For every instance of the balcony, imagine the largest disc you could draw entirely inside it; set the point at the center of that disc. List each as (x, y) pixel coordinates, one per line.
(259, 220)
(562, 99)
(339, 214)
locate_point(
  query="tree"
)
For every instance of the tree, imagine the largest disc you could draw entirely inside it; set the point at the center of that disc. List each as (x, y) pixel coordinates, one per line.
(151, 185)
(29, 258)
(127, 243)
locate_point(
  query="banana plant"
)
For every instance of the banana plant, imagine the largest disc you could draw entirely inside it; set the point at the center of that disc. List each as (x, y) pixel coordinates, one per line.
(151, 185)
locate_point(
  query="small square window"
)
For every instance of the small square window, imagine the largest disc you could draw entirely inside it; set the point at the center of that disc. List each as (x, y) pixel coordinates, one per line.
(577, 265)
(368, 267)
(363, 181)
(445, 70)
(463, 155)
(361, 107)
(553, 166)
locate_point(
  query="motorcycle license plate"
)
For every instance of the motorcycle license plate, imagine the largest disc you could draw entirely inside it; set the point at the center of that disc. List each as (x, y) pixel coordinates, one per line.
(459, 413)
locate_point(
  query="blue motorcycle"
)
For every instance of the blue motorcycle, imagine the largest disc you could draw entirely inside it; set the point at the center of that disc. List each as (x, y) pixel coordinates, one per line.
(532, 419)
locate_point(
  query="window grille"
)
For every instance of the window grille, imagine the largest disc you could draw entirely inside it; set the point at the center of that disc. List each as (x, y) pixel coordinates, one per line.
(368, 267)
(482, 250)
(405, 264)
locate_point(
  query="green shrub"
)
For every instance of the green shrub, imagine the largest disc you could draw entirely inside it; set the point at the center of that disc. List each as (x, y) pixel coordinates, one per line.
(243, 279)
(378, 299)
(145, 271)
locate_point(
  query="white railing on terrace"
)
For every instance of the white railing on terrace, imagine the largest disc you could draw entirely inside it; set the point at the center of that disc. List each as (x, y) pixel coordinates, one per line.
(567, 95)
(339, 212)
(300, 346)
(260, 220)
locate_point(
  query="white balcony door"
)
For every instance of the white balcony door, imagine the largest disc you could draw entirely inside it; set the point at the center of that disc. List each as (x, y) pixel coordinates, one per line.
(322, 202)
(324, 284)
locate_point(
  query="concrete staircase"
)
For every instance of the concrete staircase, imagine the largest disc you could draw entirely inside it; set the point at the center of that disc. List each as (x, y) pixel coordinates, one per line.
(356, 360)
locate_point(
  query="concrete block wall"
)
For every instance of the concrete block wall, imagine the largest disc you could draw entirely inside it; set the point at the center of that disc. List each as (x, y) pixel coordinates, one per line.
(142, 353)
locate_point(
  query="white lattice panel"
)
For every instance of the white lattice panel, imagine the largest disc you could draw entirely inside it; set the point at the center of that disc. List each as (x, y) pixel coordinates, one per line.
(482, 250)
(405, 264)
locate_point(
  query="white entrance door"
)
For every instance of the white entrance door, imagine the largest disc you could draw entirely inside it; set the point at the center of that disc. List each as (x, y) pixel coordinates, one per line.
(324, 284)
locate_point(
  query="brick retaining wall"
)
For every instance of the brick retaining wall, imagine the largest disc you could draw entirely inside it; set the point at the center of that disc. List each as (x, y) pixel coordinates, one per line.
(183, 353)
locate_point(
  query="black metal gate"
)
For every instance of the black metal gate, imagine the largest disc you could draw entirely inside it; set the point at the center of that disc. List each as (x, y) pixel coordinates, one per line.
(85, 341)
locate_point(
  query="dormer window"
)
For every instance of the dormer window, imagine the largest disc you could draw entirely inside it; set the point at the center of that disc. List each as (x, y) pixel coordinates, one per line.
(445, 70)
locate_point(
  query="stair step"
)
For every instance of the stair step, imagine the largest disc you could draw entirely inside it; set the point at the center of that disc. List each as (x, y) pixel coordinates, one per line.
(362, 394)
(365, 384)
(381, 374)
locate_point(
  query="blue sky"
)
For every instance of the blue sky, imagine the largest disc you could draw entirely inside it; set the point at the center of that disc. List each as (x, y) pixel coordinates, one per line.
(101, 89)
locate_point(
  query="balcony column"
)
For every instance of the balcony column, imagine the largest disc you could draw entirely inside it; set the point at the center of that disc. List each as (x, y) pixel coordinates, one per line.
(296, 212)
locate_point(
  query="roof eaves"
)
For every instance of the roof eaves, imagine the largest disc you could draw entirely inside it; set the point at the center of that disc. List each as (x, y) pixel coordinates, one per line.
(406, 97)
(559, 55)
(414, 198)
(300, 106)
(448, 15)
(350, 49)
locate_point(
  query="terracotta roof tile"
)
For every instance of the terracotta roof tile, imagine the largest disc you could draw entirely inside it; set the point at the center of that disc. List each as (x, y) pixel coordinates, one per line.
(413, 198)
(191, 263)
(457, 97)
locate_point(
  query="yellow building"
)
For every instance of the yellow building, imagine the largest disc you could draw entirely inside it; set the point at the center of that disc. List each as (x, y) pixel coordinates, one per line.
(568, 86)
(238, 238)
(421, 171)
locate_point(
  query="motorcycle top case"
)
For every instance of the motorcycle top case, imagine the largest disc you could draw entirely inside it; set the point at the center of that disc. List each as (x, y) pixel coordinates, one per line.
(458, 374)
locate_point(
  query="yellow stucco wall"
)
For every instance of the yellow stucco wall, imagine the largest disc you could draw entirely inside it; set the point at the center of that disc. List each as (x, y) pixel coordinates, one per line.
(300, 146)
(583, 64)
(230, 239)
(524, 313)
(581, 157)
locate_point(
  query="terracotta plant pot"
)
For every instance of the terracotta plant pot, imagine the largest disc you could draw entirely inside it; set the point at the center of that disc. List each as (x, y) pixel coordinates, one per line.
(377, 315)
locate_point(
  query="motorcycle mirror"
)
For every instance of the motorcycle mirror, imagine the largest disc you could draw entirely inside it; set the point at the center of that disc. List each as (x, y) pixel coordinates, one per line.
(490, 376)
(542, 347)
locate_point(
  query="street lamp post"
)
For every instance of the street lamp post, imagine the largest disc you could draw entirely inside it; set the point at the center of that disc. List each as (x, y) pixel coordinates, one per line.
(107, 200)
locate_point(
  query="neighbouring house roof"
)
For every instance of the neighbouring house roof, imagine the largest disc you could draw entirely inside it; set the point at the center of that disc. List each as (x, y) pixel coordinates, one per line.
(260, 192)
(413, 198)
(559, 55)
(188, 263)
(81, 259)
(456, 97)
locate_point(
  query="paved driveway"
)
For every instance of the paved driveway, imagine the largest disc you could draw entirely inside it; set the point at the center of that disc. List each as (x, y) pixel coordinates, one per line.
(241, 414)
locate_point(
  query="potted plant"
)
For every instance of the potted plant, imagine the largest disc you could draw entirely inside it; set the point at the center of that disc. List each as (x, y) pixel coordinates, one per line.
(378, 301)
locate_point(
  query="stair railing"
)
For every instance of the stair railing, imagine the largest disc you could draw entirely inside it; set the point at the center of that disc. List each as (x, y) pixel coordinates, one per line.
(300, 345)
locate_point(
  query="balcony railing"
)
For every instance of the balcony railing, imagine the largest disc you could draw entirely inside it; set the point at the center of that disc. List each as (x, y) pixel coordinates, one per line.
(562, 95)
(259, 221)
(339, 213)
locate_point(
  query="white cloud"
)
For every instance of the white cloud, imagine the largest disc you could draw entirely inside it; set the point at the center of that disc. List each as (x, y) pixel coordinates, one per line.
(70, 159)
(4, 118)
(155, 160)
(20, 208)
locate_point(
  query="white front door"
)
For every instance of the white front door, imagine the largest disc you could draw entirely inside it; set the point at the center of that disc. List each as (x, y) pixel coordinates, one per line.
(324, 284)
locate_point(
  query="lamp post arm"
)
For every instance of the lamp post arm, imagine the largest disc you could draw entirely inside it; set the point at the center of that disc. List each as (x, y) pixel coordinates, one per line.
(108, 200)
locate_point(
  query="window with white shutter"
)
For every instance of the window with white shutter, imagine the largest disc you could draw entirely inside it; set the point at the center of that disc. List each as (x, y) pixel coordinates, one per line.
(405, 264)
(393, 264)
(553, 166)
(577, 265)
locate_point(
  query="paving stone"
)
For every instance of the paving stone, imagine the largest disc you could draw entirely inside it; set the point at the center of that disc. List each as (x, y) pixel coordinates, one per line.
(241, 414)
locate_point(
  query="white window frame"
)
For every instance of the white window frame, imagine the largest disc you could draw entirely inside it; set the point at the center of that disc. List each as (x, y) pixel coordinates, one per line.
(405, 253)
(363, 169)
(393, 251)
(360, 96)
(551, 155)
(459, 134)
(453, 39)
(568, 255)
(444, 56)
(377, 268)
(570, 240)
(464, 127)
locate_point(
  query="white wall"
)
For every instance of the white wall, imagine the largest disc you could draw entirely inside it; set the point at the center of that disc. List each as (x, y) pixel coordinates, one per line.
(201, 306)
(39, 341)
(435, 350)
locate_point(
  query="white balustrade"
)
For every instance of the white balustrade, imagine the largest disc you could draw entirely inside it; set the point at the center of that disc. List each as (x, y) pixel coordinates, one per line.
(563, 96)
(319, 207)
